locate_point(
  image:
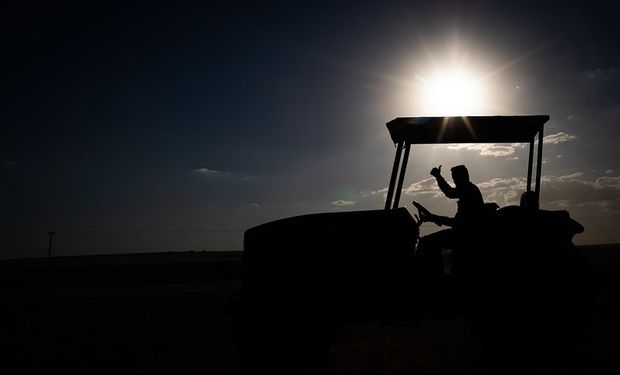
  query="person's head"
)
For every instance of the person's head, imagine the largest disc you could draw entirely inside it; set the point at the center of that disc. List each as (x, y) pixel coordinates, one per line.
(460, 175)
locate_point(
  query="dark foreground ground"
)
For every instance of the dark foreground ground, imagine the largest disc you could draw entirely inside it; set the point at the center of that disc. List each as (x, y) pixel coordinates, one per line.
(169, 313)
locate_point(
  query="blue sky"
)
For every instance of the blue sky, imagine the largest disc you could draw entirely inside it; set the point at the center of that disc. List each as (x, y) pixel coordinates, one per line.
(190, 116)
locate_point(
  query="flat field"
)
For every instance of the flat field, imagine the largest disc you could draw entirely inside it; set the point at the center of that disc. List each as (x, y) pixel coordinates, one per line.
(169, 313)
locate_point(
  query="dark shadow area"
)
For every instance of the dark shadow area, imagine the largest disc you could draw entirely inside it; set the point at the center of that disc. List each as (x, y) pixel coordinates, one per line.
(518, 283)
(304, 277)
(175, 315)
(125, 314)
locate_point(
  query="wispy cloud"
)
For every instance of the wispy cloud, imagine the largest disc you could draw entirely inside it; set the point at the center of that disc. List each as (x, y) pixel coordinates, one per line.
(11, 164)
(343, 203)
(503, 191)
(603, 191)
(580, 194)
(608, 182)
(499, 150)
(427, 186)
(500, 183)
(573, 177)
(559, 192)
(209, 172)
(368, 193)
(598, 74)
(560, 137)
(488, 149)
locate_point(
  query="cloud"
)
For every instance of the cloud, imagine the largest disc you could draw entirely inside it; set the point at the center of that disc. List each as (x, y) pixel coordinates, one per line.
(608, 182)
(209, 172)
(574, 177)
(601, 74)
(558, 192)
(498, 150)
(582, 196)
(488, 149)
(603, 192)
(365, 193)
(501, 183)
(503, 191)
(560, 137)
(421, 187)
(11, 163)
(343, 203)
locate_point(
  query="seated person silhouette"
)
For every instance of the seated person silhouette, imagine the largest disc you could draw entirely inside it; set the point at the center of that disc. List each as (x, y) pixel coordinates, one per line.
(470, 205)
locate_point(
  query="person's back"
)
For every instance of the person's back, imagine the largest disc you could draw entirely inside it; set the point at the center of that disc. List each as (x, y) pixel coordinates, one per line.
(470, 202)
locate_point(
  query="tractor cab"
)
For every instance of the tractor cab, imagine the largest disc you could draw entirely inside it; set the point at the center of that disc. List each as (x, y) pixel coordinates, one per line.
(525, 222)
(407, 131)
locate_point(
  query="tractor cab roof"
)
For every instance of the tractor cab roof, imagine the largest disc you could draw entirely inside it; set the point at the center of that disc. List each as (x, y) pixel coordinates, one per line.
(471, 129)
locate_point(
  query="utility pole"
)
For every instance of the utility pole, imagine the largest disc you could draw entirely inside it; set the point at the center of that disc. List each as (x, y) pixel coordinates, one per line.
(49, 249)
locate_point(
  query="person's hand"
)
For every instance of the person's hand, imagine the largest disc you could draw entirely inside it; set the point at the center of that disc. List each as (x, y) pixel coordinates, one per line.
(426, 218)
(436, 172)
(425, 214)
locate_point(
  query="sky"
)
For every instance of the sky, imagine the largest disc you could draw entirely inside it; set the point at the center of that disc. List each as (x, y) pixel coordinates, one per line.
(199, 120)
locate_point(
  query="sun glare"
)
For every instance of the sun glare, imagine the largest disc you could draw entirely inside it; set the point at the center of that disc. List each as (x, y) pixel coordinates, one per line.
(452, 93)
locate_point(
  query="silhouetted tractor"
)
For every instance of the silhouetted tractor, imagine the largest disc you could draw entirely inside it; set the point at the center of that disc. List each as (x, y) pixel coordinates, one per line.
(516, 278)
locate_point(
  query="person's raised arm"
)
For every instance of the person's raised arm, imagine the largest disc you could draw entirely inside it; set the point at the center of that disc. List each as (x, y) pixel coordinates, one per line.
(448, 190)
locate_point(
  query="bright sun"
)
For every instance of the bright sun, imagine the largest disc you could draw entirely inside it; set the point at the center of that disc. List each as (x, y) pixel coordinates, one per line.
(452, 93)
